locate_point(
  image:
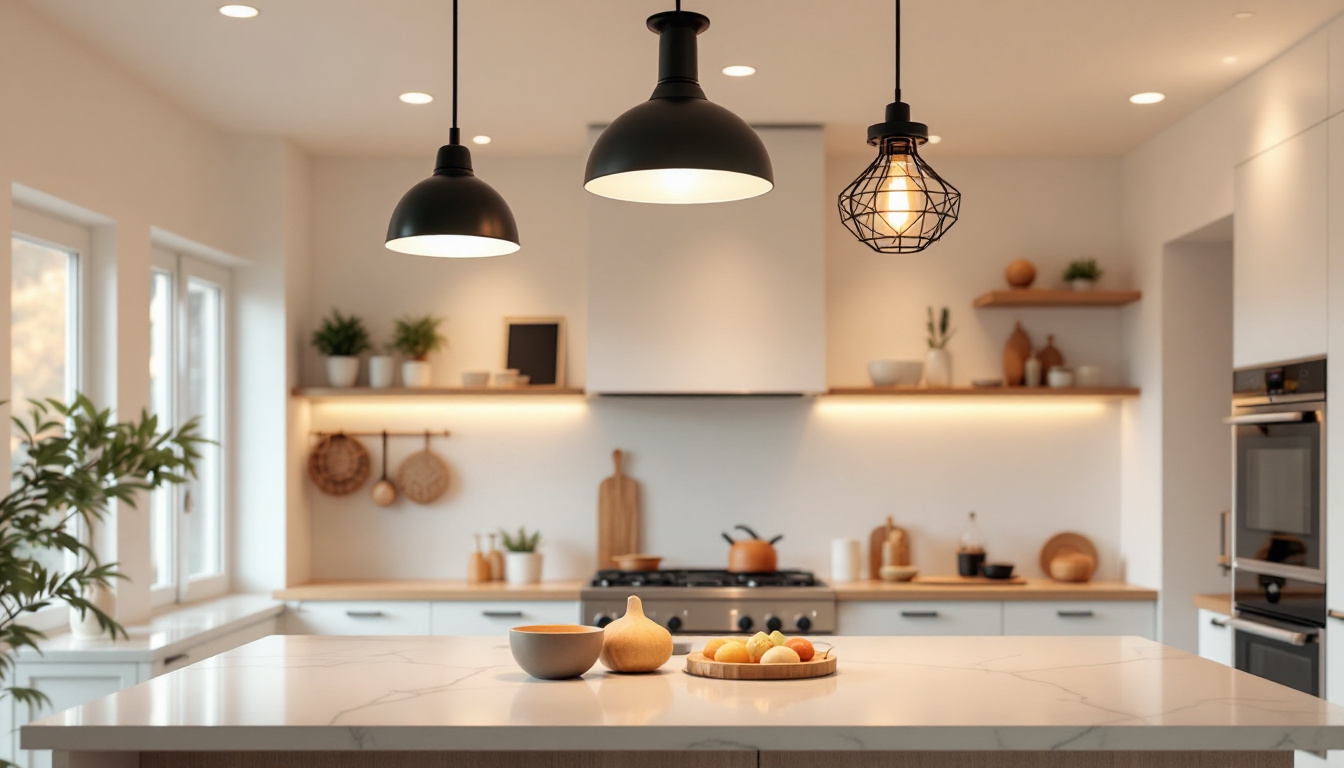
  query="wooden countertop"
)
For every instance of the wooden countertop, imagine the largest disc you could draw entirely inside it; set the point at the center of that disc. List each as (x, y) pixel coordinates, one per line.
(1033, 590)
(1218, 603)
(429, 590)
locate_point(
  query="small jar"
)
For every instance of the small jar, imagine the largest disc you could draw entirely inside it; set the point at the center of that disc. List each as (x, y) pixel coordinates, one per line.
(1032, 372)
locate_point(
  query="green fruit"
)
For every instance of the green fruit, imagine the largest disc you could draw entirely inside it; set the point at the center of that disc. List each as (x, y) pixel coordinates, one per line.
(778, 637)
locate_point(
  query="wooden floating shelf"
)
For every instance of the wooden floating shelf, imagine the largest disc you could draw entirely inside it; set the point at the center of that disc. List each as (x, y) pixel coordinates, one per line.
(391, 393)
(1099, 393)
(1028, 297)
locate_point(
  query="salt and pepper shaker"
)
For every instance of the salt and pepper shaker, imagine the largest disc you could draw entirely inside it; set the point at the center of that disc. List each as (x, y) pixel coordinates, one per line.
(495, 559)
(1032, 372)
(478, 568)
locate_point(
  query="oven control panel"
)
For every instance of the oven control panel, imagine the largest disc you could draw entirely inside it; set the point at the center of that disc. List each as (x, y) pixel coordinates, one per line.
(723, 617)
(1306, 377)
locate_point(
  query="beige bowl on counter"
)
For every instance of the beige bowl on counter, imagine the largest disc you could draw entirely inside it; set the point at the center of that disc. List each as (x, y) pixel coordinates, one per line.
(637, 562)
(556, 651)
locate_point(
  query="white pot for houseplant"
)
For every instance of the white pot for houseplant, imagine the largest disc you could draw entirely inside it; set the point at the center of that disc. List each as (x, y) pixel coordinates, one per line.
(382, 371)
(105, 599)
(522, 567)
(937, 369)
(1082, 285)
(342, 371)
(416, 374)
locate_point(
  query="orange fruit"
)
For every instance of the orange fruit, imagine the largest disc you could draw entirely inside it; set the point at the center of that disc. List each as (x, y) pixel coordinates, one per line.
(712, 646)
(802, 647)
(733, 653)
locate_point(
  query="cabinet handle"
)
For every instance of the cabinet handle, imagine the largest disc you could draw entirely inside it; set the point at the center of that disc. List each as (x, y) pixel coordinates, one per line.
(1222, 623)
(171, 660)
(1332, 613)
(920, 614)
(1074, 614)
(363, 614)
(502, 614)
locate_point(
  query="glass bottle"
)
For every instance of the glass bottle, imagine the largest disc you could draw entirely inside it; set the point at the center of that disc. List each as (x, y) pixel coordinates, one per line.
(971, 553)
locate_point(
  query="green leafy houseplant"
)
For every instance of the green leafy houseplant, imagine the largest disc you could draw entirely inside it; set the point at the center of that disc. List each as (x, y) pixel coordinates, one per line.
(1083, 269)
(77, 462)
(418, 336)
(522, 542)
(939, 334)
(341, 336)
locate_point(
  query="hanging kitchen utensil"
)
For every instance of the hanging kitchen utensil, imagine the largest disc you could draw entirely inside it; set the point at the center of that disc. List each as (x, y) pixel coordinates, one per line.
(617, 515)
(881, 535)
(423, 477)
(384, 492)
(338, 465)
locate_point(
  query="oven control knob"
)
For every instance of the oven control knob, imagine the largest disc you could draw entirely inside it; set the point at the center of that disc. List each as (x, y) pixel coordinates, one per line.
(674, 623)
(773, 623)
(602, 620)
(803, 623)
(745, 623)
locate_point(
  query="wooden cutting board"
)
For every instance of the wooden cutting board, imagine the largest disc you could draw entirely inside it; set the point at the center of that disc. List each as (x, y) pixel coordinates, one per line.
(617, 516)
(698, 665)
(879, 535)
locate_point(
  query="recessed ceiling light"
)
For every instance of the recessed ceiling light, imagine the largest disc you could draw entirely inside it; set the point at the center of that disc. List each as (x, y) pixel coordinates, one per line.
(1243, 14)
(238, 11)
(935, 138)
(1229, 59)
(482, 139)
(416, 97)
(739, 70)
(1147, 97)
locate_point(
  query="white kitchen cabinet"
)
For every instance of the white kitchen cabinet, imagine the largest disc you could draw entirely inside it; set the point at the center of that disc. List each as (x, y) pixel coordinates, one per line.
(1280, 257)
(921, 618)
(496, 618)
(1101, 617)
(723, 298)
(1334, 448)
(1215, 637)
(386, 617)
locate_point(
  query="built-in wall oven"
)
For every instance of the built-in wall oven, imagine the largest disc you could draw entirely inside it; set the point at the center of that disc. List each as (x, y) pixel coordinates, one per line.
(1278, 512)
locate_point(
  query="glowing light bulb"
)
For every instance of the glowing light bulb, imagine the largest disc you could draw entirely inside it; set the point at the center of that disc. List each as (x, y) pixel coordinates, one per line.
(901, 200)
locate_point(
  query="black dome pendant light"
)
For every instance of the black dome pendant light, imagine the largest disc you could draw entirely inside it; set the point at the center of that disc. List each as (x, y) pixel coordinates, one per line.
(899, 204)
(453, 213)
(678, 147)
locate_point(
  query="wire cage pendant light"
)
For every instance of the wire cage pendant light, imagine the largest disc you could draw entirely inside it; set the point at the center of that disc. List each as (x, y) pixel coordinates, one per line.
(453, 213)
(678, 147)
(899, 204)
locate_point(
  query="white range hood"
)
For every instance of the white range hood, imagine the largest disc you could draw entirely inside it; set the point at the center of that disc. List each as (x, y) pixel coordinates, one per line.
(722, 299)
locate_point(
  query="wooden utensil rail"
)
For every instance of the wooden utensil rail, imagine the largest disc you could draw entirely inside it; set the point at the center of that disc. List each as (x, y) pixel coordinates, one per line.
(389, 433)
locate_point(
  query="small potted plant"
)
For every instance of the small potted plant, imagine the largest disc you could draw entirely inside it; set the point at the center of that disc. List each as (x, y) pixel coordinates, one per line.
(938, 362)
(1083, 274)
(341, 338)
(416, 337)
(522, 561)
(382, 368)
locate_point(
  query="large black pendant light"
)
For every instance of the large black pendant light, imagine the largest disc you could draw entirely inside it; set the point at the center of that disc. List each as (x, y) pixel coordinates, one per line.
(899, 204)
(678, 147)
(453, 213)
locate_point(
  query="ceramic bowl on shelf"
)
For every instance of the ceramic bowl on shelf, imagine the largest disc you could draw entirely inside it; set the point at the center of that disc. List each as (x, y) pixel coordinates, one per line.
(475, 379)
(506, 378)
(897, 572)
(895, 373)
(556, 651)
(997, 570)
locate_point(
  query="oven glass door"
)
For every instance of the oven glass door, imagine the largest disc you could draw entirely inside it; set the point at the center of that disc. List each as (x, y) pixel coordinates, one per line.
(1296, 666)
(1278, 492)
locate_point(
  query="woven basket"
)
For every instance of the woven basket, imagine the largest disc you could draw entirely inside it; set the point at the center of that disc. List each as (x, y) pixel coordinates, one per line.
(423, 477)
(339, 465)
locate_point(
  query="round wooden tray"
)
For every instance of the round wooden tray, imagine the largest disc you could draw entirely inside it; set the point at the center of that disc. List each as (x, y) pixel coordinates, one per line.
(1067, 544)
(698, 665)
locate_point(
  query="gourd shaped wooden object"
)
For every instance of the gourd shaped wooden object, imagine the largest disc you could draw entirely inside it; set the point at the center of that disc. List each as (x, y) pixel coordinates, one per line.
(1015, 354)
(634, 642)
(1049, 356)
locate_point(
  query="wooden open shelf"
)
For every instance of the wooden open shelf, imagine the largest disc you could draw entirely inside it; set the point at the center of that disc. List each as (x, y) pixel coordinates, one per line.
(1099, 393)
(1029, 297)
(343, 393)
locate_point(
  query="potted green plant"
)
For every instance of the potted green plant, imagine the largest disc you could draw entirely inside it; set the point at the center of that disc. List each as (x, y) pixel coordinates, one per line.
(938, 362)
(522, 561)
(341, 338)
(383, 368)
(416, 337)
(75, 462)
(1082, 274)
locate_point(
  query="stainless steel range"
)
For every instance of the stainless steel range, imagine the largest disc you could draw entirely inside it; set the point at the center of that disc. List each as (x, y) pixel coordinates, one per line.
(709, 601)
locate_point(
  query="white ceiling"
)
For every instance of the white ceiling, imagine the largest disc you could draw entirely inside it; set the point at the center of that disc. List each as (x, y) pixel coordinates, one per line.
(1026, 77)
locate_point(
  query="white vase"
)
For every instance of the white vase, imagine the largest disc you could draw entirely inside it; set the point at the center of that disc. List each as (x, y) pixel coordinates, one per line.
(522, 567)
(105, 599)
(416, 374)
(1082, 285)
(342, 371)
(937, 369)
(382, 371)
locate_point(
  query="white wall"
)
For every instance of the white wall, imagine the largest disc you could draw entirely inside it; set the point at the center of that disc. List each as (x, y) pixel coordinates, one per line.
(813, 470)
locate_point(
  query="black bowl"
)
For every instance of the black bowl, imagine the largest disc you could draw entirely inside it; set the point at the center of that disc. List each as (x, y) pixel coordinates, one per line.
(997, 570)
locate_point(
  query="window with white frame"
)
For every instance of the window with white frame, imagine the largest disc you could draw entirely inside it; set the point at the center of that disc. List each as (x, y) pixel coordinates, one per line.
(189, 301)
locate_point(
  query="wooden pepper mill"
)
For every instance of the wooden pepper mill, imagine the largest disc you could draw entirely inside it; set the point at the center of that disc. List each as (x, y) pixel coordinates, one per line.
(496, 560)
(478, 568)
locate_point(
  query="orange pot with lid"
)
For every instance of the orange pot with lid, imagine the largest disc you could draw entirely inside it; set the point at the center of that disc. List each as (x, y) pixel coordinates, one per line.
(753, 555)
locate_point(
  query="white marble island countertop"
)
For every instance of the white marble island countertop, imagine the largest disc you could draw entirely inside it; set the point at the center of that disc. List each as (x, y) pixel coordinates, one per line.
(306, 693)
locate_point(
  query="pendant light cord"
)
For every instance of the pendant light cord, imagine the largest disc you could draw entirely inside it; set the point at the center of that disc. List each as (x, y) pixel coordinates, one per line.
(454, 135)
(898, 49)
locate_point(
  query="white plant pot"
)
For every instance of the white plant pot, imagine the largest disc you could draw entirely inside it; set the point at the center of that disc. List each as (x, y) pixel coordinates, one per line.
(342, 371)
(937, 369)
(416, 374)
(87, 625)
(1082, 285)
(522, 567)
(382, 371)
